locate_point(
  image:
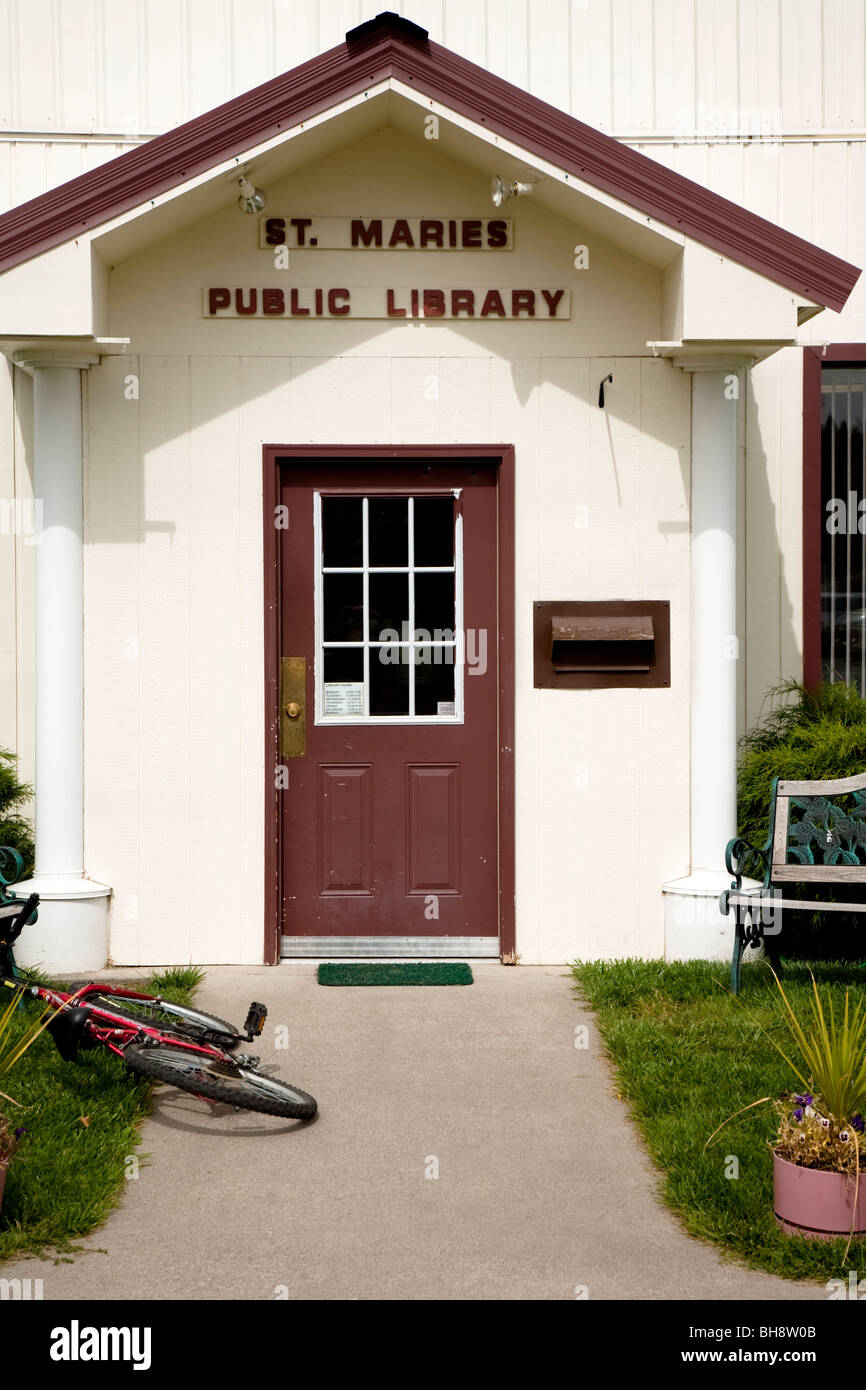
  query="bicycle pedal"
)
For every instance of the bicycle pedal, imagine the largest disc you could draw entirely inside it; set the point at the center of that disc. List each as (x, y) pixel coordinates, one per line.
(255, 1020)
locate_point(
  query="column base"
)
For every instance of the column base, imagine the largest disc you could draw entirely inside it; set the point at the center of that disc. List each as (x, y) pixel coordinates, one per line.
(70, 935)
(694, 927)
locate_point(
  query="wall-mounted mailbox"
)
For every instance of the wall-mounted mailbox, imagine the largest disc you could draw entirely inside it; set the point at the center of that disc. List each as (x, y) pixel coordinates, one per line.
(582, 645)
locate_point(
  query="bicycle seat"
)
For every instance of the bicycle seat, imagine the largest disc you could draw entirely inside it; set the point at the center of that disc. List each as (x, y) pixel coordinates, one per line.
(66, 1028)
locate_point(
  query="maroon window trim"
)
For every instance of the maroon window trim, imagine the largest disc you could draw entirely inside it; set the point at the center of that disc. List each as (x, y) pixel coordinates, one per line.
(503, 456)
(391, 47)
(853, 354)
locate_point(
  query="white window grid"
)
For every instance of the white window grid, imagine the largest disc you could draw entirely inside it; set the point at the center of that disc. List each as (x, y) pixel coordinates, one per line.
(369, 644)
(840, 400)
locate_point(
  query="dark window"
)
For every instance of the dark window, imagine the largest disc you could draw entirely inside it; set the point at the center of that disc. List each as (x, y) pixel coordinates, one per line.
(843, 532)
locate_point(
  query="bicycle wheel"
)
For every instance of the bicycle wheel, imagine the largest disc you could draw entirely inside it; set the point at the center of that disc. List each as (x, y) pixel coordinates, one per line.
(220, 1078)
(170, 1018)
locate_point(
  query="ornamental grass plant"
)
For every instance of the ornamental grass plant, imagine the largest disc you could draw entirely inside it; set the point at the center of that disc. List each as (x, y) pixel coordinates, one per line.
(826, 1052)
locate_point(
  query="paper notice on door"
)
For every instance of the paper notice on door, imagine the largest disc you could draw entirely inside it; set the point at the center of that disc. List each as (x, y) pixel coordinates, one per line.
(344, 697)
(445, 707)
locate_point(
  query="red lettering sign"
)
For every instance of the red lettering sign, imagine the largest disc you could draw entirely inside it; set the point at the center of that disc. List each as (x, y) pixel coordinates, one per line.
(393, 311)
(430, 233)
(334, 307)
(218, 299)
(401, 235)
(273, 302)
(552, 298)
(275, 231)
(463, 301)
(493, 304)
(434, 304)
(245, 308)
(523, 301)
(371, 235)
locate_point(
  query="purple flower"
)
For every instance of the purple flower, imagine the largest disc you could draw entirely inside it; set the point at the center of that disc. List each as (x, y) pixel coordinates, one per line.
(857, 1123)
(798, 1114)
(805, 1100)
(21, 1130)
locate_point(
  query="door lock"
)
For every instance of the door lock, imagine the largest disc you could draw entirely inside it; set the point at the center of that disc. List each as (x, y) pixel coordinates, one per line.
(292, 706)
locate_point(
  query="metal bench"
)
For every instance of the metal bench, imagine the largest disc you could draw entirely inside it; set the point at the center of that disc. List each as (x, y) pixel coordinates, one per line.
(14, 912)
(817, 835)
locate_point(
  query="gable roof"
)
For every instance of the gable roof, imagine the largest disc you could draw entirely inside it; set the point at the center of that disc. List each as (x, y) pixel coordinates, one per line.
(392, 47)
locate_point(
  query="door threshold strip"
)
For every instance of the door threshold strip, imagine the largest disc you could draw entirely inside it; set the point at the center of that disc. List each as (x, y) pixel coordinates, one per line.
(388, 947)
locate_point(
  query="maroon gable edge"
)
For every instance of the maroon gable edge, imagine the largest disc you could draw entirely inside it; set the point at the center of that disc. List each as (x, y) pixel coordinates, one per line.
(393, 47)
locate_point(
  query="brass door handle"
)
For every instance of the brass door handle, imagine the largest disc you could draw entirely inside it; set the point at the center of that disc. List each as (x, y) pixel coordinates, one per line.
(292, 706)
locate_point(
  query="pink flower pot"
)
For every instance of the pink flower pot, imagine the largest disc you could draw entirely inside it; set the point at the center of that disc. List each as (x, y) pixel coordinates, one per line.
(810, 1202)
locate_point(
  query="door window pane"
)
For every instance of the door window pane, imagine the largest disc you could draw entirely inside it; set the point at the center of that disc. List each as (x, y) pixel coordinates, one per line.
(434, 680)
(343, 607)
(434, 530)
(343, 664)
(389, 531)
(843, 535)
(342, 532)
(389, 681)
(389, 604)
(434, 604)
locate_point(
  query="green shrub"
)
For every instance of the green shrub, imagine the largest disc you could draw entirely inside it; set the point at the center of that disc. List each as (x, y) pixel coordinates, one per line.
(14, 829)
(802, 735)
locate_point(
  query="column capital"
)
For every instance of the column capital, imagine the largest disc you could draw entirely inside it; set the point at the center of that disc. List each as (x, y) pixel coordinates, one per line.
(708, 355)
(713, 360)
(33, 359)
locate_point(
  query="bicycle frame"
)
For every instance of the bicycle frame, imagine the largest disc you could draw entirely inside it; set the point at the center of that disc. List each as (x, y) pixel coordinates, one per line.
(103, 1027)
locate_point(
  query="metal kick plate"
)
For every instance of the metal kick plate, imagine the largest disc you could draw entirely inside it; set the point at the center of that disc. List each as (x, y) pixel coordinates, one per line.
(293, 691)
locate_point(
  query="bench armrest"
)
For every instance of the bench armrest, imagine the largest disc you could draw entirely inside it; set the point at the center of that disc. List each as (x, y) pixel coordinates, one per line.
(740, 856)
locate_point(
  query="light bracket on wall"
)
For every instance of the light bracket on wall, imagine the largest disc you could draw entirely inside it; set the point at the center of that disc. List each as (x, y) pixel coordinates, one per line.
(503, 189)
(601, 387)
(251, 199)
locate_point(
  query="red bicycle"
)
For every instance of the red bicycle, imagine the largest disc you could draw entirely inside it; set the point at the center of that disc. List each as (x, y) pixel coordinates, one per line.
(184, 1047)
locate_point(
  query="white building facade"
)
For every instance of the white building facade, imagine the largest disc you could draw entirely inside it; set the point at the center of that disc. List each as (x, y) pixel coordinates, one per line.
(254, 462)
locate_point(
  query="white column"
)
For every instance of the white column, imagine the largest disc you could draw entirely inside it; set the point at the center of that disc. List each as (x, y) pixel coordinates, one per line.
(694, 927)
(71, 931)
(714, 619)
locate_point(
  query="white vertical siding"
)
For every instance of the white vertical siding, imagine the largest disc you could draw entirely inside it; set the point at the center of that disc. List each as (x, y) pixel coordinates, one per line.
(624, 65)
(8, 616)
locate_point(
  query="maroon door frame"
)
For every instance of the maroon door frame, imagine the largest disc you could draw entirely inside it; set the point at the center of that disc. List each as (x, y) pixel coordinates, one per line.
(503, 456)
(813, 357)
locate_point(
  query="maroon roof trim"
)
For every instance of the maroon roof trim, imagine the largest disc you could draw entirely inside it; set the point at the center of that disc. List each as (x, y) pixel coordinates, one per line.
(392, 47)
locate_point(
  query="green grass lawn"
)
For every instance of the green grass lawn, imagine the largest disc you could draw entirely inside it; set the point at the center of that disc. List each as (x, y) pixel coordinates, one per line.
(82, 1120)
(686, 1056)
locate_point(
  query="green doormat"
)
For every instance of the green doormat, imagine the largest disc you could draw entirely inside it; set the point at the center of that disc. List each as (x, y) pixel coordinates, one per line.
(440, 972)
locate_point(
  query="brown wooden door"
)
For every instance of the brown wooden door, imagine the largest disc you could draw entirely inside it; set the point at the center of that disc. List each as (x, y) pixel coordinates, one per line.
(389, 594)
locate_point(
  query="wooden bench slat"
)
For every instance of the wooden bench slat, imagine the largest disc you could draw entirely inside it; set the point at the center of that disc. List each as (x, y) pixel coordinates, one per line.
(747, 900)
(819, 873)
(837, 787)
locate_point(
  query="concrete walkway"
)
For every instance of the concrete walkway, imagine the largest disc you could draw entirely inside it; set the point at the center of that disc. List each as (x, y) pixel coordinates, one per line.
(542, 1187)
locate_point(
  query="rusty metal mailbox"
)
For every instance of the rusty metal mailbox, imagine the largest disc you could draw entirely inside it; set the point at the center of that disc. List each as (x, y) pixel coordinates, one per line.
(592, 645)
